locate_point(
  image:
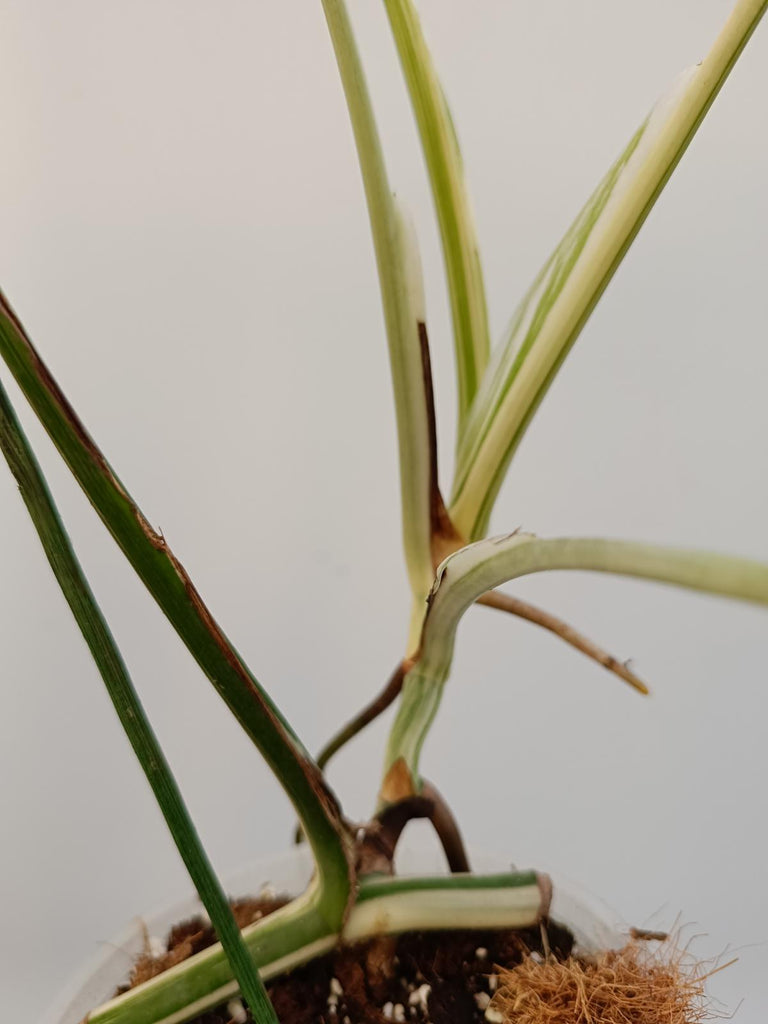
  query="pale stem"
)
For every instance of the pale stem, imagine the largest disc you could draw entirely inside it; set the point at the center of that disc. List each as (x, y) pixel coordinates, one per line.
(471, 572)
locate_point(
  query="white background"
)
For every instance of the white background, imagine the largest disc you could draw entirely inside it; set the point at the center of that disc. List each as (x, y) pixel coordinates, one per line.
(184, 235)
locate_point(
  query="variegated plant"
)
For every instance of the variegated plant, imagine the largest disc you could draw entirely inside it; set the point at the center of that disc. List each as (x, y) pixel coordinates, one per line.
(450, 566)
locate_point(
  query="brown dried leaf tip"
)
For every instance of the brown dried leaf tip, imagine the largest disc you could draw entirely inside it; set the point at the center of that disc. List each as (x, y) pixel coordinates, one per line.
(627, 986)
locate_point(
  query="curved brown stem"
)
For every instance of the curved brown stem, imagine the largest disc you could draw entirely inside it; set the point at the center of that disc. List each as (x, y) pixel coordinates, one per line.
(447, 829)
(506, 603)
(364, 717)
(377, 841)
(381, 837)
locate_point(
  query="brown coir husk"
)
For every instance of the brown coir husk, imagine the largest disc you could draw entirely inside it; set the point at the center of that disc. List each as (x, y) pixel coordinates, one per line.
(633, 985)
(461, 977)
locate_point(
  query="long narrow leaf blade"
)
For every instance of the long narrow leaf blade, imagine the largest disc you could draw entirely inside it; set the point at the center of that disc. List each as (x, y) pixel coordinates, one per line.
(97, 635)
(566, 291)
(402, 298)
(445, 168)
(480, 567)
(168, 582)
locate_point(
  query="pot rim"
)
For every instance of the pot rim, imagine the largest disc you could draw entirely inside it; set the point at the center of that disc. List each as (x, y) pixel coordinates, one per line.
(593, 923)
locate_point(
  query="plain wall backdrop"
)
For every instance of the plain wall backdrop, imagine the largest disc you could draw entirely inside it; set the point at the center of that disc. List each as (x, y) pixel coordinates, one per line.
(185, 237)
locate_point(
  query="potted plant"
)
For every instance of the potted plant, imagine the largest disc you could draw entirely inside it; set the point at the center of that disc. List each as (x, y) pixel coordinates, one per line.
(451, 563)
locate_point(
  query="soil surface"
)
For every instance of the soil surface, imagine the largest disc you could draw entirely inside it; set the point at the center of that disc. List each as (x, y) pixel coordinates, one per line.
(419, 978)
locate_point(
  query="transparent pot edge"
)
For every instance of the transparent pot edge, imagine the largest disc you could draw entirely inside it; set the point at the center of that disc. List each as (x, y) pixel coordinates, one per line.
(593, 923)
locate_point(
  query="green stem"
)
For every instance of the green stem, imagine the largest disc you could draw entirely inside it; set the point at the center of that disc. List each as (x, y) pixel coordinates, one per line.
(296, 934)
(125, 700)
(169, 584)
(440, 146)
(480, 567)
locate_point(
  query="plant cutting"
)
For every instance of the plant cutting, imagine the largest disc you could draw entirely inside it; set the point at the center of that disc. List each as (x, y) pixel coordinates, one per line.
(451, 563)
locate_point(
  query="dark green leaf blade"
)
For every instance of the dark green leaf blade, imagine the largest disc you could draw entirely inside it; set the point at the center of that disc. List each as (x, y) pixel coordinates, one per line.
(168, 582)
(130, 711)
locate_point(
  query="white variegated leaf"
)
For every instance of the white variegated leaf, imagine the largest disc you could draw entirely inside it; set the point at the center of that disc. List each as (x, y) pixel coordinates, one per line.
(566, 291)
(442, 156)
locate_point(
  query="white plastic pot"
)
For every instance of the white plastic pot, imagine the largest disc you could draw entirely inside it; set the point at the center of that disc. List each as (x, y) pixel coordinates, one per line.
(593, 925)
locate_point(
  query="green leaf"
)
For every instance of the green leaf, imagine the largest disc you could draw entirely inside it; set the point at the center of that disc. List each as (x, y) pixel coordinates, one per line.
(96, 633)
(402, 296)
(168, 582)
(445, 168)
(464, 577)
(559, 303)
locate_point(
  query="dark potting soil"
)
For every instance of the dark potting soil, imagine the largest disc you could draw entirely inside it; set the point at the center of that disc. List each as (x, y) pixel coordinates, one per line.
(445, 977)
